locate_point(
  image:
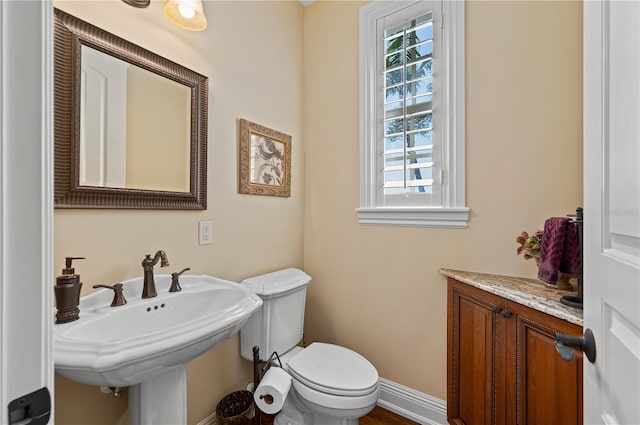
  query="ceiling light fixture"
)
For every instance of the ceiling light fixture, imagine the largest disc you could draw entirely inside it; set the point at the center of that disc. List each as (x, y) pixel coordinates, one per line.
(187, 14)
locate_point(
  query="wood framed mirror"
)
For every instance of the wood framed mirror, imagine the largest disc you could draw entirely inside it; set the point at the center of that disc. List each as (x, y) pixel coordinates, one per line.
(130, 126)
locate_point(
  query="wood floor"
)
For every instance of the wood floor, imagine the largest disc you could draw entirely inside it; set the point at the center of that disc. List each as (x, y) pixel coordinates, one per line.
(378, 416)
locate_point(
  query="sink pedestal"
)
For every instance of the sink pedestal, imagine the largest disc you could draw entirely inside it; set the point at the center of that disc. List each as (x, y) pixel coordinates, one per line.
(160, 400)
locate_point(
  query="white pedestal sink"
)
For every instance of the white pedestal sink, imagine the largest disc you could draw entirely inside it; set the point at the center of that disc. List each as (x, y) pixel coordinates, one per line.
(160, 400)
(146, 344)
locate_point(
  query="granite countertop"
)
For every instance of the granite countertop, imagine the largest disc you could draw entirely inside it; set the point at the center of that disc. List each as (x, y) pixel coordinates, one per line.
(529, 292)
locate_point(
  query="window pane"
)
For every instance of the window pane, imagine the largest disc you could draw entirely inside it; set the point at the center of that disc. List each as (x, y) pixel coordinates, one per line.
(393, 126)
(422, 138)
(394, 77)
(394, 161)
(419, 69)
(393, 142)
(419, 87)
(408, 150)
(422, 102)
(393, 60)
(420, 157)
(424, 49)
(419, 180)
(394, 93)
(393, 178)
(419, 121)
(394, 185)
(394, 43)
(420, 141)
(389, 107)
(394, 31)
(422, 33)
(419, 176)
(393, 191)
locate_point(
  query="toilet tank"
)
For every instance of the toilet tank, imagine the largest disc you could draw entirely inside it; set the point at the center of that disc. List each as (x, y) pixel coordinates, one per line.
(278, 325)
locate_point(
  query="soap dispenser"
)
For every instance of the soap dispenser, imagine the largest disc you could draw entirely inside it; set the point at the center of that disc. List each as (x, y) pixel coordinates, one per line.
(67, 292)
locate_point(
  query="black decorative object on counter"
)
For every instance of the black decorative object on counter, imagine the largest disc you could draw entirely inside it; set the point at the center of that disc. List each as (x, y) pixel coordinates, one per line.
(577, 300)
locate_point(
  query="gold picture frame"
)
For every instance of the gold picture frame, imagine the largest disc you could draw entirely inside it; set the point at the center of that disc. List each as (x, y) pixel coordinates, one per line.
(265, 161)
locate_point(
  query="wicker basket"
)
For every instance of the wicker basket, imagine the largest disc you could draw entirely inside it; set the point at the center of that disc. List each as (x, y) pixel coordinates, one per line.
(236, 409)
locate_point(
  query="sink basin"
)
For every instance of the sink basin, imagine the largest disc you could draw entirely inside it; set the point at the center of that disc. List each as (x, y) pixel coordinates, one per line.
(132, 344)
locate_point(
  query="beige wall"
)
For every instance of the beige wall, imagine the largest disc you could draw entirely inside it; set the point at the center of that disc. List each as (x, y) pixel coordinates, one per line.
(158, 132)
(252, 54)
(377, 289)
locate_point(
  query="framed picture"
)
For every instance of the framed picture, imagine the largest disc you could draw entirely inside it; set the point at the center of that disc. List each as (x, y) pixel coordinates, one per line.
(265, 160)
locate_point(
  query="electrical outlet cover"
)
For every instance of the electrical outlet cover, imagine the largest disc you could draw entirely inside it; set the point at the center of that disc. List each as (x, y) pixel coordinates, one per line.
(205, 232)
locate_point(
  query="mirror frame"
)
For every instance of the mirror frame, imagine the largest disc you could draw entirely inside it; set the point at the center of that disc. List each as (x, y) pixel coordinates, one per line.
(70, 33)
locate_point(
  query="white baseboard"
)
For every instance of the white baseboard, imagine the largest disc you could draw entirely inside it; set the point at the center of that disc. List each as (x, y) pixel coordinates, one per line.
(404, 401)
(209, 420)
(412, 404)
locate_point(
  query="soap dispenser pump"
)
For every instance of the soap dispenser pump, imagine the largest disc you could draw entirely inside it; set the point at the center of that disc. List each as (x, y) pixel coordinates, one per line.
(67, 292)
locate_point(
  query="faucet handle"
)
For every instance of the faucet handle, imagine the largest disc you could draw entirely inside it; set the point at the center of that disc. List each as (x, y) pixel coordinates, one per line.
(175, 284)
(118, 296)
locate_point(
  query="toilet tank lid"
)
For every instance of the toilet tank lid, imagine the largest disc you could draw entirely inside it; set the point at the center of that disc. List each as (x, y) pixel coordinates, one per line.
(277, 283)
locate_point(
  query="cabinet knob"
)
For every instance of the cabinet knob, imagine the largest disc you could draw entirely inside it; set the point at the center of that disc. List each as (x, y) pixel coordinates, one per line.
(506, 314)
(585, 343)
(497, 309)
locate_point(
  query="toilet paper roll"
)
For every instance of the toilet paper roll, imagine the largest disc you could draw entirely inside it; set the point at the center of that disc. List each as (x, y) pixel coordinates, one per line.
(272, 390)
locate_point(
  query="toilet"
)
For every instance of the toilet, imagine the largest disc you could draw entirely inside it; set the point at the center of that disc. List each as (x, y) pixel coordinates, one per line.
(330, 384)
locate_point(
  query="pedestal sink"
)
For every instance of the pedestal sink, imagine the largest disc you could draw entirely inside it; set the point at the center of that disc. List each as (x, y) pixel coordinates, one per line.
(146, 344)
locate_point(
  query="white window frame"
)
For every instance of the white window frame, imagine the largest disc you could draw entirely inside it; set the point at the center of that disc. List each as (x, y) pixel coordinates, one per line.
(449, 116)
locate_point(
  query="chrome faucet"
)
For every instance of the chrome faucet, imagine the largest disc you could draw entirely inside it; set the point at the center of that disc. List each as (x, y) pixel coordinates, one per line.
(149, 286)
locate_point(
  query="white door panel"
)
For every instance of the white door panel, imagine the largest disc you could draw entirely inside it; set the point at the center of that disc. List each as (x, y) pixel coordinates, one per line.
(26, 210)
(103, 120)
(612, 209)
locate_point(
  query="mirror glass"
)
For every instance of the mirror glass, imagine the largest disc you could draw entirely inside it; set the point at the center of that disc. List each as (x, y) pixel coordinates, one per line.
(130, 125)
(134, 126)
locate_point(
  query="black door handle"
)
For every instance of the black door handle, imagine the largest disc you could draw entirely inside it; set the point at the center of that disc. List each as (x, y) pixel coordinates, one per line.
(585, 343)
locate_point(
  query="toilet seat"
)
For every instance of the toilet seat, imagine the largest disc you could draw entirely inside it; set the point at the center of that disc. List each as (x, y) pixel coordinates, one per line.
(333, 370)
(323, 401)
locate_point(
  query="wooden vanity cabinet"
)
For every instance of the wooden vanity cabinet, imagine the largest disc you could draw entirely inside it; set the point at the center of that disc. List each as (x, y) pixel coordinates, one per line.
(503, 367)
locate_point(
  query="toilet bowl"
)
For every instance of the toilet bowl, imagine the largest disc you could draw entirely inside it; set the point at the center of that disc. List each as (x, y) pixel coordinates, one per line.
(330, 384)
(334, 384)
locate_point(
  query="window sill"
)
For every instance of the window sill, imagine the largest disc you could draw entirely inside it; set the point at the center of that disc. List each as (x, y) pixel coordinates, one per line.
(447, 218)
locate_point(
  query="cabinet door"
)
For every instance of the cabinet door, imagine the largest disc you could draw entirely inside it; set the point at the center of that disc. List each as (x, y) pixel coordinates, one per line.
(474, 354)
(548, 389)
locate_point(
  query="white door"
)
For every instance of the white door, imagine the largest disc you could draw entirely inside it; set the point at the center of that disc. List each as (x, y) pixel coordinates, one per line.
(103, 120)
(612, 210)
(26, 210)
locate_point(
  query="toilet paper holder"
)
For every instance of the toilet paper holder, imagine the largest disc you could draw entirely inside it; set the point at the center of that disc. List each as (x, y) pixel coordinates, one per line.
(268, 363)
(258, 373)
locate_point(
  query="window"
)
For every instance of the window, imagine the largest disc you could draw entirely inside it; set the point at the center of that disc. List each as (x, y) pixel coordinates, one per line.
(412, 114)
